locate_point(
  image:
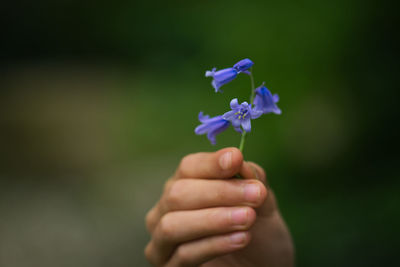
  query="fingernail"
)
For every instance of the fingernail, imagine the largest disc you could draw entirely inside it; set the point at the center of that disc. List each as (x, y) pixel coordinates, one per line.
(251, 192)
(239, 216)
(238, 238)
(225, 161)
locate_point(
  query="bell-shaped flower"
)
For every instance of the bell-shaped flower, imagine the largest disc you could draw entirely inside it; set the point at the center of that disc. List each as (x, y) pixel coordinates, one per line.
(225, 76)
(241, 115)
(211, 126)
(243, 65)
(221, 77)
(265, 101)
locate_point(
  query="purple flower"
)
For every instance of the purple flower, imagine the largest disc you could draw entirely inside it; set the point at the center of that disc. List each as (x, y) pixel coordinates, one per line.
(241, 115)
(221, 77)
(243, 65)
(265, 101)
(211, 126)
(225, 76)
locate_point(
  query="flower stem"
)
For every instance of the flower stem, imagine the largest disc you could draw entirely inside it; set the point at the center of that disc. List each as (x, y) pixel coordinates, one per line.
(243, 139)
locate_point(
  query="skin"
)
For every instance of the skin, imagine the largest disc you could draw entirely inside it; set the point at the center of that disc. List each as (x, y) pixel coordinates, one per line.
(207, 218)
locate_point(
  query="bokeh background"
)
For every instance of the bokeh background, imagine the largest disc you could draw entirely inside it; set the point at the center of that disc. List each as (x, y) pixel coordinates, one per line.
(99, 101)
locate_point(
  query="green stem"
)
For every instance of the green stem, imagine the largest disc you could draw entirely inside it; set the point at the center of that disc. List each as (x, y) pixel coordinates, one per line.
(252, 95)
(242, 140)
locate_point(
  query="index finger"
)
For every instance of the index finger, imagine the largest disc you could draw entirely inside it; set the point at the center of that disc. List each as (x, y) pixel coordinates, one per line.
(224, 163)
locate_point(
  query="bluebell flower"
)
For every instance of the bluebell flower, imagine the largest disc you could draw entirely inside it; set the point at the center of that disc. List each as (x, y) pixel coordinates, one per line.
(241, 115)
(265, 101)
(225, 76)
(221, 77)
(243, 65)
(211, 126)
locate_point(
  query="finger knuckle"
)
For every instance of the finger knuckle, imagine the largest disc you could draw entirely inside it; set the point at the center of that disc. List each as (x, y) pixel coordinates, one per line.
(231, 189)
(185, 161)
(218, 217)
(222, 191)
(173, 196)
(166, 229)
(148, 253)
(167, 185)
(183, 256)
(150, 219)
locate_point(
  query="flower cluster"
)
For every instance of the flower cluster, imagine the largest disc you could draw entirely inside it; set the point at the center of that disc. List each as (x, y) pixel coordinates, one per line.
(240, 115)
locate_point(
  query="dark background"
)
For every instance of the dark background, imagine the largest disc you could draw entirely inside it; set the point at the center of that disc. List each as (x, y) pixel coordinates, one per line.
(99, 101)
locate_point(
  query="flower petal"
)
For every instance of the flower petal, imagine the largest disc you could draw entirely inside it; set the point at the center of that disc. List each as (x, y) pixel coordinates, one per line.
(225, 75)
(275, 97)
(243, 65)
(221, 77)
(210, 73)
(238, 129)
(203, 118)
(212, 138)
(201, 129)
(222, 126)
(277, 111)
(255, 113)
(246, 124)
(257, 102)
(265, 101)
(236, 123)
(211, 126)
(234, 103)
(216, 86)
(230, 115)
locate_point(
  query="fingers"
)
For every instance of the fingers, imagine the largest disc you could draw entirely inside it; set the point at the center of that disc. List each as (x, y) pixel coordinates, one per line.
(189, 224)
(269, 205)
(188, 194)
(203, 250)
(193, 194)
(182, 226)
(152, 217)
(221, 164)
(257, 172)
(224, 163)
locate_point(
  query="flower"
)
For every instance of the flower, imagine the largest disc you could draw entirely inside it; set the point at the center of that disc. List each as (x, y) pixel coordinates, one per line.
(243, 65)
(221, 77)
(211, 126)
(265, 101)
(240, 115)
(225, 76)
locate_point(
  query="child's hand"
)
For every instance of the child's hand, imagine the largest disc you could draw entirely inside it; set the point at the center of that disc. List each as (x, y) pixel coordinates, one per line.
(205, 216)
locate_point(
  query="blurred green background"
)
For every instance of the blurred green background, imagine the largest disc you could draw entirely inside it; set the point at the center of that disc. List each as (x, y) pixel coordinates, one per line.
(99, 101)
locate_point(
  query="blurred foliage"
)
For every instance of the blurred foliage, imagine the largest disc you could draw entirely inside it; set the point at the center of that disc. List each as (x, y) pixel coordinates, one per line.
(99, 102)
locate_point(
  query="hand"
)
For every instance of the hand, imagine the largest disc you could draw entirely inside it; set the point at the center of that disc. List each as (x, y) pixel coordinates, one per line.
(206, 217)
